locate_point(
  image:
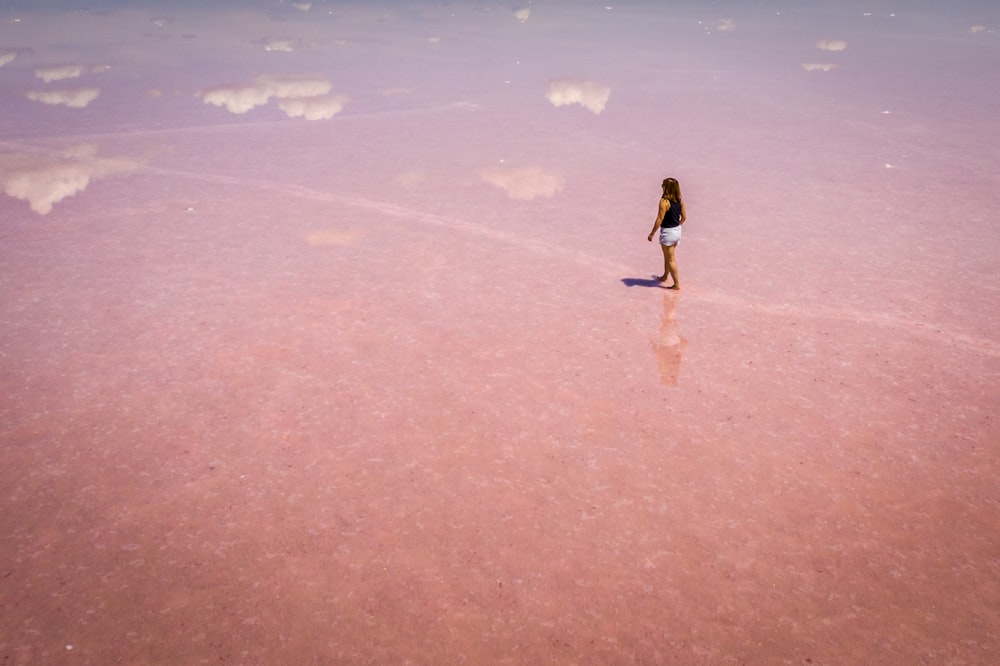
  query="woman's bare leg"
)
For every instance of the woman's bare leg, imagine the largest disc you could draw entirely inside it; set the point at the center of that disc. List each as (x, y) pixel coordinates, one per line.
(669, 266)
(666, 265)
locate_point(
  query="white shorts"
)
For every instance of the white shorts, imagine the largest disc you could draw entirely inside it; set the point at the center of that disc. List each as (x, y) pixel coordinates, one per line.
(670, 235)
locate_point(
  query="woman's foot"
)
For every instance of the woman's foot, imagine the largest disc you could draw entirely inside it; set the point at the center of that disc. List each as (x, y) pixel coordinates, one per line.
(675, 286)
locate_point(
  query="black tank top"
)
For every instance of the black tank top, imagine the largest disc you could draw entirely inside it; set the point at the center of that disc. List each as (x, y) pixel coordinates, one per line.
(673, 217)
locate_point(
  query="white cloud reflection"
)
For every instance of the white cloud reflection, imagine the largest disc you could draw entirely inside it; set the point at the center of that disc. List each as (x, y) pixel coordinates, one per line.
(319, 107)
(244, 97)
(76, 98)
(831, 44)
(44, 180)
(818, 66)
(524, 183)
(59, 72)
(589, 94)
(284, 45)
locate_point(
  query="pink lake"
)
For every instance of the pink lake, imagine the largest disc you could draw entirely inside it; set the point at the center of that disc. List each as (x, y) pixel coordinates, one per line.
(329, 334)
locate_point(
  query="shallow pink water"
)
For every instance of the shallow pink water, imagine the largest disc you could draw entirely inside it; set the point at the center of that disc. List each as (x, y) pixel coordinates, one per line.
(292, 391)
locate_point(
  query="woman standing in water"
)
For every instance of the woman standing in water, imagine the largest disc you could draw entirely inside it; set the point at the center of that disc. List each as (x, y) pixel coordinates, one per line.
(669, 220)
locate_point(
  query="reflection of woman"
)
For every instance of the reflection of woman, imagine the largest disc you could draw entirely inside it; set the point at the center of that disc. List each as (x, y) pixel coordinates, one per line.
(670, 344)
(669, 220)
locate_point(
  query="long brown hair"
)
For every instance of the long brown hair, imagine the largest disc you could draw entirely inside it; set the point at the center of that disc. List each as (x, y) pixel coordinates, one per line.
(672, 189)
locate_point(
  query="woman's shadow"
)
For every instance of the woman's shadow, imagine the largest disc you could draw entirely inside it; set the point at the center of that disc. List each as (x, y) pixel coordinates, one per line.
(641, 282)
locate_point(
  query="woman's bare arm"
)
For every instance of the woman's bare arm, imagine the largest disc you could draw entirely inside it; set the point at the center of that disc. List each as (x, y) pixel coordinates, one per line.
(664, 207)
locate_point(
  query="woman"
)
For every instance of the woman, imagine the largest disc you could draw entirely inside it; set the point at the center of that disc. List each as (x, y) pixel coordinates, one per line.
(669, 220)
